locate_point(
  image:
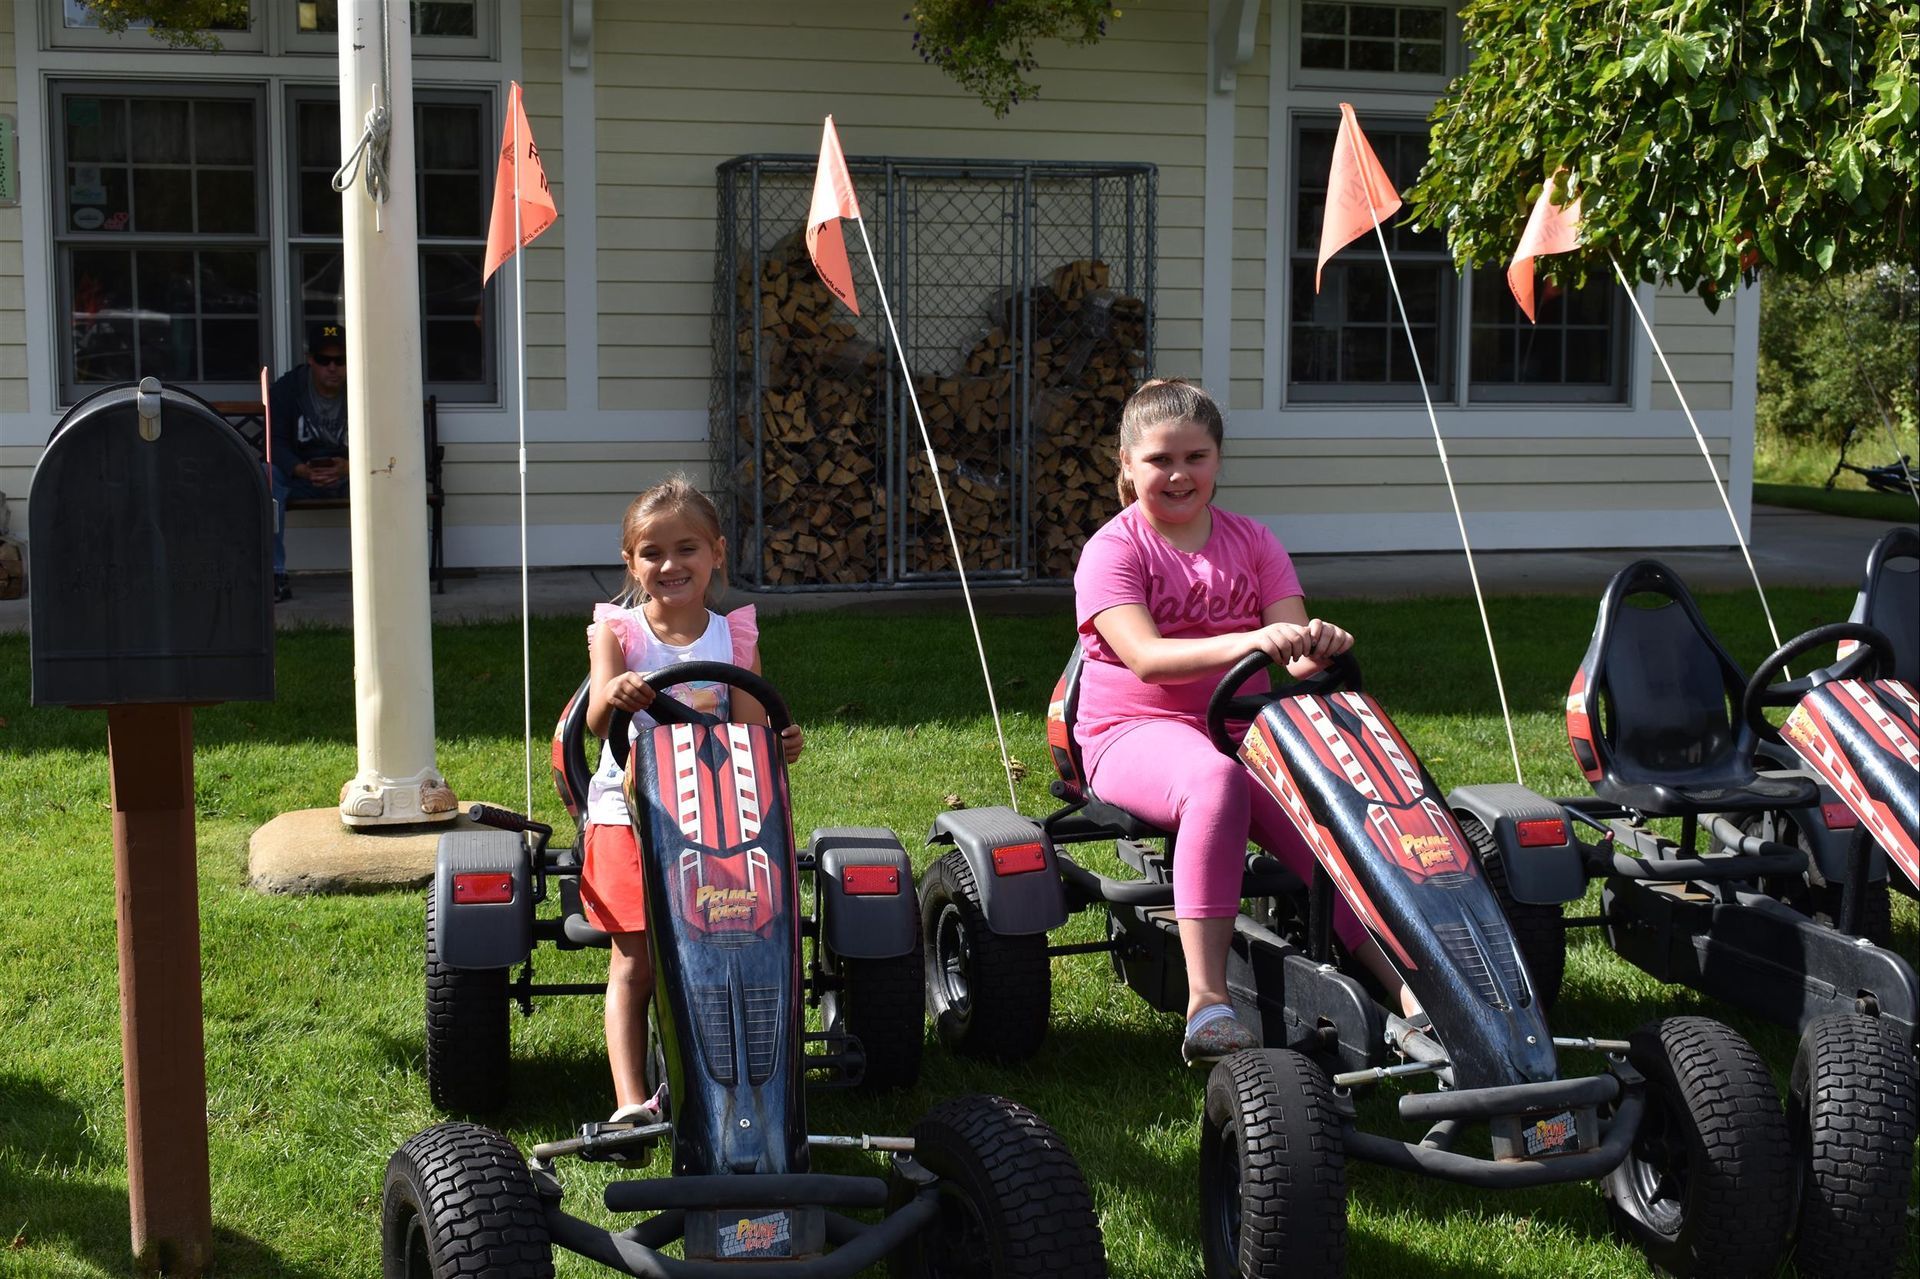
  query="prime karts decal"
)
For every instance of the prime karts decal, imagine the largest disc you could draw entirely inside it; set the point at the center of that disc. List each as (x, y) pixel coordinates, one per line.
(714, 780)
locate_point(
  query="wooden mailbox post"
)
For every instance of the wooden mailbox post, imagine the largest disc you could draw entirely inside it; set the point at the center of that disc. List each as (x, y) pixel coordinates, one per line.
(149, 540)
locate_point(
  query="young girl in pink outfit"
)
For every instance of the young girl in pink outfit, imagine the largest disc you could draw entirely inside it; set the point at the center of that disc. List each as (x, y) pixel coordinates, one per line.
(1168, 594)
(676, 566)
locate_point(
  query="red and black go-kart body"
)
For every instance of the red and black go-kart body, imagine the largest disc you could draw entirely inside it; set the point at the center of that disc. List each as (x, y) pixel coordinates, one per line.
(1384, 840)
(500, 893)
(712, 817)
(1862, 738)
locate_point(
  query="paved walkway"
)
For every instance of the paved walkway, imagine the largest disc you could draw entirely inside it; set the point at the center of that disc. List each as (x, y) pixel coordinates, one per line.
(1790, 548)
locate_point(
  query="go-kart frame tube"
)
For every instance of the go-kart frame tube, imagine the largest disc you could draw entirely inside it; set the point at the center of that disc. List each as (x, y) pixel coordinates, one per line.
(860, 1245)
(1488, 1174)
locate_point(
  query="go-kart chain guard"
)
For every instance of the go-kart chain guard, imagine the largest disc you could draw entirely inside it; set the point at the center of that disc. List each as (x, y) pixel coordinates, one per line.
(1013, 864)
(483, 934)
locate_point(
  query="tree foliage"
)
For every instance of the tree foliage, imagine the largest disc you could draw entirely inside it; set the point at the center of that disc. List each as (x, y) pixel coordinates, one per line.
(987, 45)
(1705, 138)
(1839, 354)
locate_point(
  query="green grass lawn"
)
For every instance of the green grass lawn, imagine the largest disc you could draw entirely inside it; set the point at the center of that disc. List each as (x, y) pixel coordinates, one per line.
(314, 1005)
(1858, 504)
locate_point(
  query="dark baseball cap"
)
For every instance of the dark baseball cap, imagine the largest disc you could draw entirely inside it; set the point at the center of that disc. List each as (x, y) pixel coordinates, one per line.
(325, 333)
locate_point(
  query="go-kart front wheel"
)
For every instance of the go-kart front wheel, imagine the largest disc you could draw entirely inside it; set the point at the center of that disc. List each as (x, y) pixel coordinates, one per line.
(1273, 1180)
(1013, 1202)
(1707, 1187)
(459, 1202)
(989, 994)
(468, 1040)
(1851, 1110)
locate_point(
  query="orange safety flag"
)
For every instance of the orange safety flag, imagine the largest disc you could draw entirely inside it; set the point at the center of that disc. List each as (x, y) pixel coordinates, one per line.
(520, 182)
(1360, 195)
(832, 200)
(1553, 228)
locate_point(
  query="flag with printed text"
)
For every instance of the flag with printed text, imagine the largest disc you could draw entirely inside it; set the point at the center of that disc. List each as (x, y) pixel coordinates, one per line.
(519, 184)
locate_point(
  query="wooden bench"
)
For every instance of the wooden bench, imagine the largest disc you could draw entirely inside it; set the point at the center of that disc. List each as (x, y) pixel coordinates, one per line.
(249, 418)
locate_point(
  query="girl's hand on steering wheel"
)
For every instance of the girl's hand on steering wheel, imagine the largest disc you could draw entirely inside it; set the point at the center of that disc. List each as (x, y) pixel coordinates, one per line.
(792, 742)
(1282, 641)
(1325, 640)
(628, 692)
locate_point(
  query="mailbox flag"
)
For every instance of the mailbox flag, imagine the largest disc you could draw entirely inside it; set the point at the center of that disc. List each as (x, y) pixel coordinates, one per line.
(520, 183)
(1359, 194)
(832, 200)
(1552, 228)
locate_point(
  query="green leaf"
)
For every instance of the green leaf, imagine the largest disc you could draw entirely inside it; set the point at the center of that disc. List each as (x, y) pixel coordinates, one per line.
(1691, 49)
(1750, 154)
(1823, 252)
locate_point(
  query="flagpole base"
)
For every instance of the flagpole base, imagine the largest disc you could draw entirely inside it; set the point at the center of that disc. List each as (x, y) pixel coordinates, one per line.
(373, 800)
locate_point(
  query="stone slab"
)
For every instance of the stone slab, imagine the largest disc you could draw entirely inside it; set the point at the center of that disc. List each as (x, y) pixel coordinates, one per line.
(311, 850)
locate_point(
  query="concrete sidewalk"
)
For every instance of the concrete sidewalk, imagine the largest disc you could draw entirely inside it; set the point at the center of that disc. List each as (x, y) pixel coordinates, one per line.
(1790, 548)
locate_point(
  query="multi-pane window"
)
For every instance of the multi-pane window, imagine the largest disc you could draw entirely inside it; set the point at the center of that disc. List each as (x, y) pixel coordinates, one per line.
(160, 235)
(441, 28)
(1399, 38)
(1575, 352)
(1345, 341)
(451, 157)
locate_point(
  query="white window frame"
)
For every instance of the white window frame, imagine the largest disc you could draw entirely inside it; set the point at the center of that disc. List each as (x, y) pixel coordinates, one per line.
(274, 28)
(1304, 77)
(482, 44)
(135, 38)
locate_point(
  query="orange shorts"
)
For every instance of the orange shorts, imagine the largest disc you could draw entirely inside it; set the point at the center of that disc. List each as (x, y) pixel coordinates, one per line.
(612, 890)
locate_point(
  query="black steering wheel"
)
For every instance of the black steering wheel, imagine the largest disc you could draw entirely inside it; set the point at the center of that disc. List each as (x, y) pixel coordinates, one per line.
(1762, 692)
(1341, 672)
(671, 710)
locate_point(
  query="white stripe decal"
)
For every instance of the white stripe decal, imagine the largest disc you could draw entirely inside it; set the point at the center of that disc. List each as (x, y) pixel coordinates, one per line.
(1336, 744)
(686, 782)
(746, 787)
(1384, 740)
(1877, 712)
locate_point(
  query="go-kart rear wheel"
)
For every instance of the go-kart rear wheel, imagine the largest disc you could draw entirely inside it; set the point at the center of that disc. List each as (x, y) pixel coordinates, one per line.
(459, 1202)
(1707, 1187)
(1812, 893)
(1273, 1179)
(989, 995)
(468, 1045)
(1013, 1202)
(1851, 1110)
(1538, 930)
(883, 1004)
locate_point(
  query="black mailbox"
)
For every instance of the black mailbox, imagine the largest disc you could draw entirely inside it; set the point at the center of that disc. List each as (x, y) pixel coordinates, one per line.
(149, 537)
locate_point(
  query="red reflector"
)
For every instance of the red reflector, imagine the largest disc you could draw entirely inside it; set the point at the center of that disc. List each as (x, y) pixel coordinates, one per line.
(1838, 817)
(1018, 859)
(1541, 832)
(473, 890)
(870, 881)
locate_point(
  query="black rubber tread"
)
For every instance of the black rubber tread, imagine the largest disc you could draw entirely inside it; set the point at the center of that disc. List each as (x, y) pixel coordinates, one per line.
(1853, 1107)
(469, 1044)
(1709, 1089)
(469, 1189)
(1270, 1111)
(885, 1003)
(1009, 980)
(1008, 1174)
(1537, 929)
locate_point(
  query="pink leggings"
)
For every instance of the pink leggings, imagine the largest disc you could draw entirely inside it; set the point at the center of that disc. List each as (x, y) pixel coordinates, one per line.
(1167, 772)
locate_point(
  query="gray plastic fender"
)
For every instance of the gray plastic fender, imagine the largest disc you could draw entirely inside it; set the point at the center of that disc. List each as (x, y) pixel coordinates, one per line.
(876, 917)
(1020, 889)
(474, 934)
(1543, 875)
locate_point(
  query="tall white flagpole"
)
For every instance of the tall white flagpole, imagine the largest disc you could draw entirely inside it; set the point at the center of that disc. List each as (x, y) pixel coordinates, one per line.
(520, 348)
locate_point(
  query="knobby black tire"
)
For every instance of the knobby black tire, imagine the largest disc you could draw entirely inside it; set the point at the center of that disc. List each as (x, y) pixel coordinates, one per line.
(1853, 1104)
(1537, 930)
(1013, 1201)
(1273, 1179)
(1714, 1139)
(459, 1202)
(468, 1040)
(885, 1008)
(1009, 985)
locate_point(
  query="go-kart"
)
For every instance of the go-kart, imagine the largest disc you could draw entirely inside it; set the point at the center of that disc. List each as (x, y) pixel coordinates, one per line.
(1664, 726)
(498, 893)
(981, 1186)
(1682, 1124)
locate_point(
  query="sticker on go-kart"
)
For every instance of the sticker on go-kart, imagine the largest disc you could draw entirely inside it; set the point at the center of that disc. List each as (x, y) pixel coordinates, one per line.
(733, 894)
(767, 1236)
(1580, 728)
(1551, 1135)
(719, 784)
(1863, 739)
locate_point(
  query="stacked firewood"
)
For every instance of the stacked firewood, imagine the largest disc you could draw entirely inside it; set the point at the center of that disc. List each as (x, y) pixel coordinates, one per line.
(821, 477)
(13, 560)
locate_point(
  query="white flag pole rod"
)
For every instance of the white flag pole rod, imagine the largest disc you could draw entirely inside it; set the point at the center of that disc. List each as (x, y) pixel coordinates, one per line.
(940, 490)
(1719, 486)
(1453, 495)
(520, 361)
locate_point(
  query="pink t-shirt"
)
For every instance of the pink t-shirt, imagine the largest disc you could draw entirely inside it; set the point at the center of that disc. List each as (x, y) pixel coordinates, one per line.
(1224, 587)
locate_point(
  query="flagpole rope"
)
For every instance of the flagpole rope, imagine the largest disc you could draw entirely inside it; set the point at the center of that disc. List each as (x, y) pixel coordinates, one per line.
(520, 346)
(375, 133)
(1453, 495)
(1719, 486)
(940, 490)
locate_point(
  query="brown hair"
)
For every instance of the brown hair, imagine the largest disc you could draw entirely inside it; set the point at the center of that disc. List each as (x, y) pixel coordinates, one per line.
(674, 495)
(1163, 400)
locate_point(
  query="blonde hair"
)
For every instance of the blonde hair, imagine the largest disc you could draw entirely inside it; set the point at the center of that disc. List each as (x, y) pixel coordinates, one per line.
(673, 496)
(1162, 400)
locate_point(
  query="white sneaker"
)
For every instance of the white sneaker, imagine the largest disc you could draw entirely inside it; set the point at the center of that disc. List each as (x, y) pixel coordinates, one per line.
(651, 1111)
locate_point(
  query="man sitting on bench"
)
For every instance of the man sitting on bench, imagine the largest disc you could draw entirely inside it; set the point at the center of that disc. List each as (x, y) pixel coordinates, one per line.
(308, 413)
